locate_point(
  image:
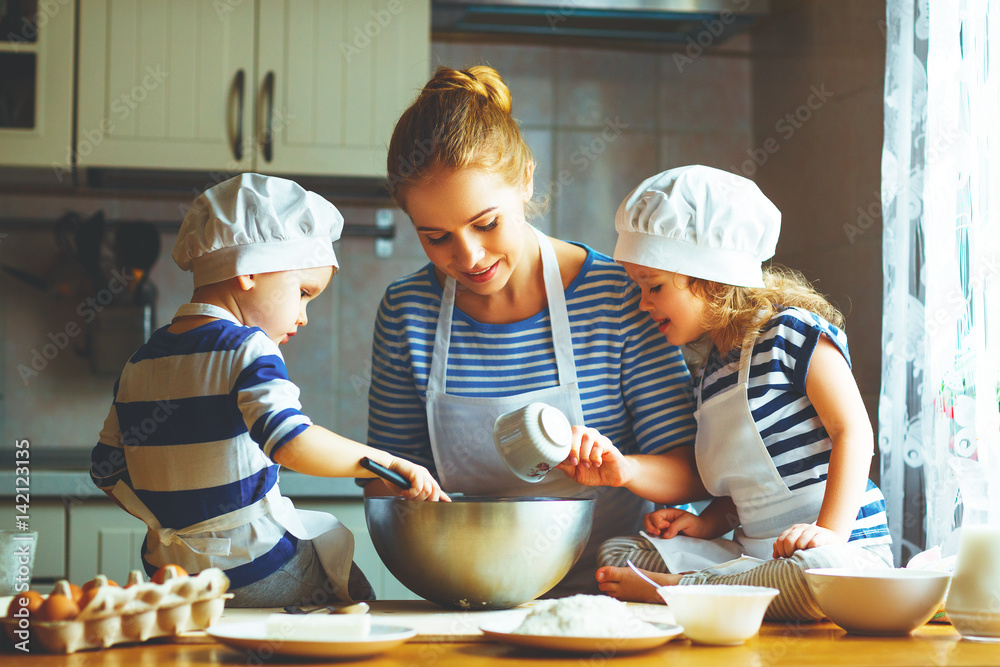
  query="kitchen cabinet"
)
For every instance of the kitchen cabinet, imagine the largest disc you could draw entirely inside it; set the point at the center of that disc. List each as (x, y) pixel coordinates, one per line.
(36, 84)
(276, 86)
(48, 518)
(103, 539)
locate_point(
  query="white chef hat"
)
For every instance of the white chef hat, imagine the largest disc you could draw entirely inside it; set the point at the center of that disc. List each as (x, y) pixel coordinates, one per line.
(700, 222)
(256, 224)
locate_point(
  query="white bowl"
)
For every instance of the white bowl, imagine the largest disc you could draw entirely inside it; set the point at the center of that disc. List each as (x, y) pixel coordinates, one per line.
(725, 615)
(879, 601)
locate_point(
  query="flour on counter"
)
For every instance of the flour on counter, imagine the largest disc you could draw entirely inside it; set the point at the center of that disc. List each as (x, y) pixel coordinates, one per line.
(584, 616)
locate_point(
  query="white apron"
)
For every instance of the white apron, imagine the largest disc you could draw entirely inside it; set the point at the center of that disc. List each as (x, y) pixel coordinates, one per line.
(333, 542)
(733, 461)
(461, 430)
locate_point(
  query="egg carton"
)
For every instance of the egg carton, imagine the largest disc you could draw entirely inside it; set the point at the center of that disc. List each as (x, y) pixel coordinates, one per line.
(140, 611)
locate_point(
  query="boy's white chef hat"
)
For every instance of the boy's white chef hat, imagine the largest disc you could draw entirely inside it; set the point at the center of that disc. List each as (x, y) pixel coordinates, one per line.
(699, 222)
(256, 224)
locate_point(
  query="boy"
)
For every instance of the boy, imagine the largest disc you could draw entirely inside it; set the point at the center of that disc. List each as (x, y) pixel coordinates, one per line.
(204, 412)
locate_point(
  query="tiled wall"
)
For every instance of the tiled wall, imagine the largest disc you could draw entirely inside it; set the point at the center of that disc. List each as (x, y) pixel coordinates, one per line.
(599, 121)
(823, 63)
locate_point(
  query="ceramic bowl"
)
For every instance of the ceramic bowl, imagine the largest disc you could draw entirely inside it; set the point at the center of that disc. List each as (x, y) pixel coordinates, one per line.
(723, 615)
(879, 601)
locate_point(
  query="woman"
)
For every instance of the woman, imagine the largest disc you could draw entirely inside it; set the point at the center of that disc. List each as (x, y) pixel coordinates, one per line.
(504, 316)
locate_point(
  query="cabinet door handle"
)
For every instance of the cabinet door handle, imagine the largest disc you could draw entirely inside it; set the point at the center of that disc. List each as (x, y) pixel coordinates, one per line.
(240, 85)
(268, 92)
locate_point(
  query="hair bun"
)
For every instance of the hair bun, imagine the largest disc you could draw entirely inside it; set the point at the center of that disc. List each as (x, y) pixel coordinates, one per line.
(480, 80)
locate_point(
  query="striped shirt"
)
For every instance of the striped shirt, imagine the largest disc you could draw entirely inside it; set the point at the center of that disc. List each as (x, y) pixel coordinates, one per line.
(634, 386)
(786, 419)
(195, 420)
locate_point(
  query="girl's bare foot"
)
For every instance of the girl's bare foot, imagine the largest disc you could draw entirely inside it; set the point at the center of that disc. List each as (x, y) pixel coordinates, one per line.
(624, 584)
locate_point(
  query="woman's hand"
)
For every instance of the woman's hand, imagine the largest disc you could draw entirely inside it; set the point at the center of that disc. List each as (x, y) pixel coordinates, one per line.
(423, 486)
(803, 536)
(594, 461)
(671, 521)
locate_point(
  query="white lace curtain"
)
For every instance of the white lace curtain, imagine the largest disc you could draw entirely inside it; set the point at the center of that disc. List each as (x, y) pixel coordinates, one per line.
(939, 427)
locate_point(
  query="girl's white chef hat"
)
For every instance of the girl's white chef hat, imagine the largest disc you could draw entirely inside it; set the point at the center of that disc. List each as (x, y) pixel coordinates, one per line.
(256, 224)
(699, 222)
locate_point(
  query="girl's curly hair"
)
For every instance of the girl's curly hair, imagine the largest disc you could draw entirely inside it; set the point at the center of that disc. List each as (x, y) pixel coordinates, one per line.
(733, 313)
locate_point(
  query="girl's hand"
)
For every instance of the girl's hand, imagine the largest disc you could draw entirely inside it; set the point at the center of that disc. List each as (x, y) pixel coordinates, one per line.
(594, 461)
(803, 536)
(671, 521)
(422, 485)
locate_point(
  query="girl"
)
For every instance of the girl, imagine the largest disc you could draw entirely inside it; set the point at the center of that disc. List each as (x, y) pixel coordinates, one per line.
(503, 315)
(783, 439)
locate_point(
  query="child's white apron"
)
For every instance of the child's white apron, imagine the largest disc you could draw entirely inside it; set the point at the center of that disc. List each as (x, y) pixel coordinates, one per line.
(333, 542)
(461, 427)
(733, 461)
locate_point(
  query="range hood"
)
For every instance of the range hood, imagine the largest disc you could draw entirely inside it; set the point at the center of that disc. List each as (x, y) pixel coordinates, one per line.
(702, 22)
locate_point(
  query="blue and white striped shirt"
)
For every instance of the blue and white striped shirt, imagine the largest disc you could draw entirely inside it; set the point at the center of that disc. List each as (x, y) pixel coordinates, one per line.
(634, 386)
(786, 419)
(195, 419)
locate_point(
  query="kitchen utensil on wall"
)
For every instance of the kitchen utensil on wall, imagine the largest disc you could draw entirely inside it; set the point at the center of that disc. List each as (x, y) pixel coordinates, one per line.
(63, 275)
(137, 247)
(88, 240)
(130, 318)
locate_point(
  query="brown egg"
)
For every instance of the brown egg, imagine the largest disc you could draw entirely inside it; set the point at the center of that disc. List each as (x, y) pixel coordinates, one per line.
(174, 571)
(33, 601)
(58, 608)
(88, 595)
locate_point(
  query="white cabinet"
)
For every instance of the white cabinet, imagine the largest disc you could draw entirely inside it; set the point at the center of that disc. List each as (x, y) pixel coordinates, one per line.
(103, 539)
(276, 86)
(48, 518)
(36, 84)
(166, 84)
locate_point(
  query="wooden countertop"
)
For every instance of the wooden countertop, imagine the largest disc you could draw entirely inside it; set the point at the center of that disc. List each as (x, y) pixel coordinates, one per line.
(814, 645)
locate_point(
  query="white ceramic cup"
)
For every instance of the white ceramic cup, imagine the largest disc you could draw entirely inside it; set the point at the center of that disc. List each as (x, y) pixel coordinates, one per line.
(532, 440)
(973, 604)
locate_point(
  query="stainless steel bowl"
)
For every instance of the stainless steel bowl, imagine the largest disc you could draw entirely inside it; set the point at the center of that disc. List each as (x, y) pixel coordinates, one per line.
(479, 553)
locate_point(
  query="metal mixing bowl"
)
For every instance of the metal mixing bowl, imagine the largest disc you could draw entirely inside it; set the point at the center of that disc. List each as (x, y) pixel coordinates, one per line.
(479, 553)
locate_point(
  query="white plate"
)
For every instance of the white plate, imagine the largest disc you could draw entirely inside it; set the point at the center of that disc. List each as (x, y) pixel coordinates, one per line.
(605, 645)
(251, 636)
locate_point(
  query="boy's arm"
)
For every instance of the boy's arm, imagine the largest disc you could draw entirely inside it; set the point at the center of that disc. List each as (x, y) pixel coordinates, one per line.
(107, 460)
(322, 453)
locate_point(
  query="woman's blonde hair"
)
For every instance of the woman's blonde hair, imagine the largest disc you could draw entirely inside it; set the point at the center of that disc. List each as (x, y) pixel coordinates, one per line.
(733, 313)
(462, 118)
